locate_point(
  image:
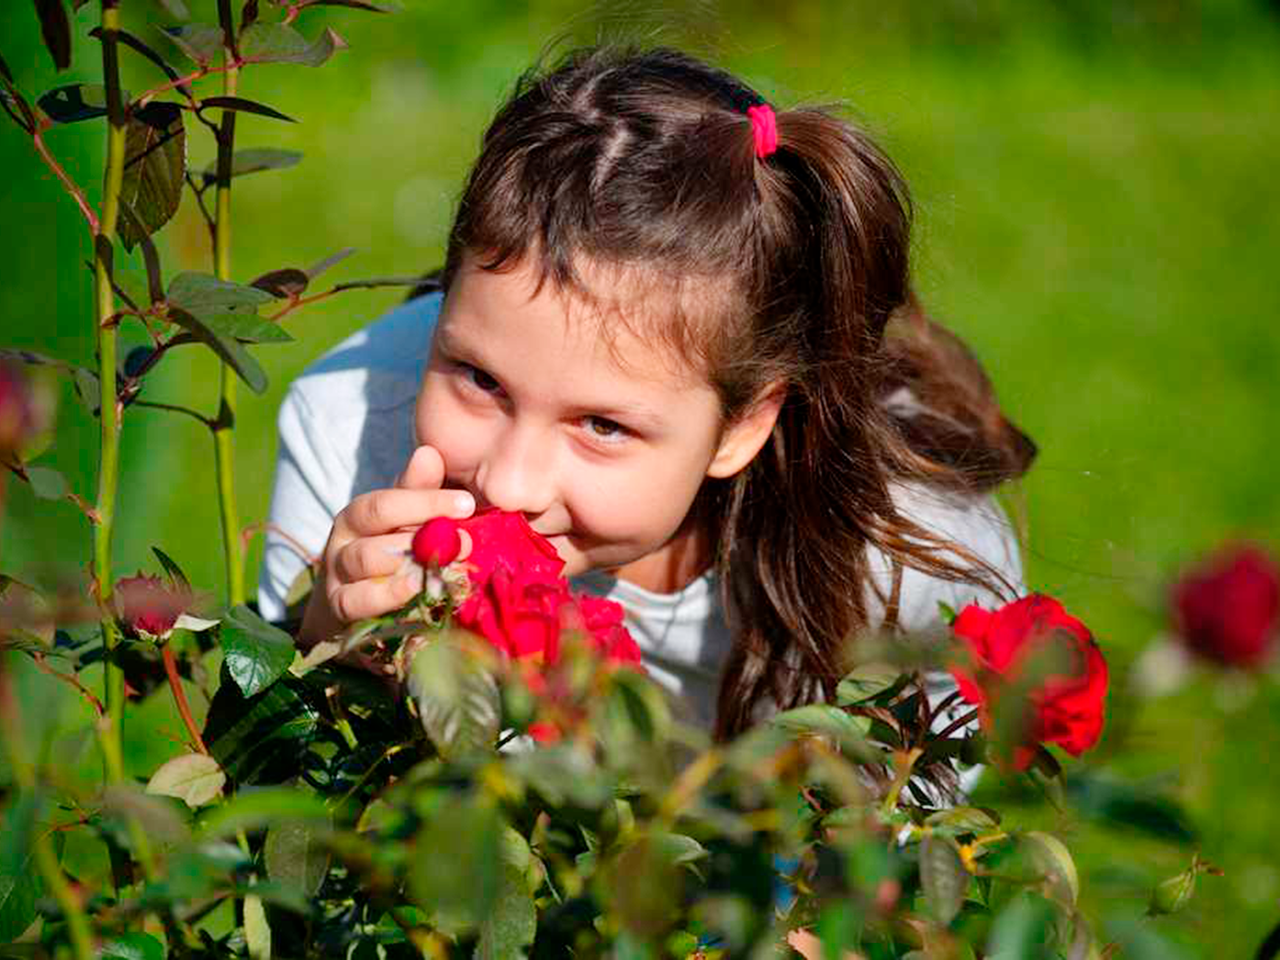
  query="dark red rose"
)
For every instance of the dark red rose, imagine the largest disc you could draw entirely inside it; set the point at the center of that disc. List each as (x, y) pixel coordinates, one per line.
(437, 542)
(1227, 607)
(1006, 648)
(15, 409)
(148, 607)
(505, 539)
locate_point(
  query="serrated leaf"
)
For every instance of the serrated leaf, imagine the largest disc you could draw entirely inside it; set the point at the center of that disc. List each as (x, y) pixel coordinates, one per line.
(263, 738)
(943, 878)
(295, 856)
(203, 293)
(76, 102)
(867, 682)
(132, 946)
(457, 698)
(199, 41)
(55, 29)
(254, 160)
(241, 105)
(157, 817)
(277, 43)
(963, 820)
(255, 653)
(47, 483)
(194, 778)
(460, 875)
(155, 166)
(510, 925)
(283, 283)
(1051, 856)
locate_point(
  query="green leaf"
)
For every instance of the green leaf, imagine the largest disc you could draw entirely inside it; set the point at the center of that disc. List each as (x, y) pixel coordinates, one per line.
(20, 882)
(1114, 801)
(155, 165)
(353, 4)
(47, 483)
(256, 654)
(262, 739)
(227, 348)
(825, 720)
(157, 816)
(246, 328)
(264, 808)
(866, 682)
(55, 28)
(943, 877)
(132, 946)
(457, 698)
(1051, 857)
(277, 43)
(245, 106)
(459, 875)
(194, 778)
(511, 924)
(203, 293)
(958, 820)
(295, 856)
(946, 612)
(254, 160)
(199, 41)
(176, 8)
(76, 102)
(329, 261)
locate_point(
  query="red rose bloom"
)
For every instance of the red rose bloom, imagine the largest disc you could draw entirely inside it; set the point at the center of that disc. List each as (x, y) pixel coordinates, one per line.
(437, 542)
(148, 607)
(1066, 707)
(602, 620)
(506, 539)
(1227, 608)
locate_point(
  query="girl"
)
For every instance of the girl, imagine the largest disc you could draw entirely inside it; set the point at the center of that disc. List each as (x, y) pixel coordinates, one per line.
(675, 329)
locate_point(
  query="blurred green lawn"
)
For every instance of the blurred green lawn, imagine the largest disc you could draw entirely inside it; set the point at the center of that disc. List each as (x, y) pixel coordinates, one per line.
(1098, 214)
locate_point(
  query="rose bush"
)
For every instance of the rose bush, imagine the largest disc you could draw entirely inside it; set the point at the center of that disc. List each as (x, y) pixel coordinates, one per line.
(1033, 658)
(1227, 608)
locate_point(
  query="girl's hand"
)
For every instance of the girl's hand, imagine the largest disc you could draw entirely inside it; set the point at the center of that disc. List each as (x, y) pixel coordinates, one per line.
(364, 572)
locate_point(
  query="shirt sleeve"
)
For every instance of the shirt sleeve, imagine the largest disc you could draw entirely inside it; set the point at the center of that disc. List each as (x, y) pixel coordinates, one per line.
(312, 484)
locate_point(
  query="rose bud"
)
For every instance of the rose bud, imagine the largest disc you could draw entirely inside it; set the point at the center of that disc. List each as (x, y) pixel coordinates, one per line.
(147, 607)
(1032, 661)
(437, 542)
(1227, 608)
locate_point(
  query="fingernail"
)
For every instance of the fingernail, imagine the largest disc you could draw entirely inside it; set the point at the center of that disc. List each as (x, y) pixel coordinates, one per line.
(464, 504)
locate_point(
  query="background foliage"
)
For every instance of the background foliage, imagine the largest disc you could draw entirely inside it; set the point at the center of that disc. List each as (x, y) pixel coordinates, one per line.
(1096, 209)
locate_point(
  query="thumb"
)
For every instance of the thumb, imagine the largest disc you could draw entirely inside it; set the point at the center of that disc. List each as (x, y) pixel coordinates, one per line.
(424, 471)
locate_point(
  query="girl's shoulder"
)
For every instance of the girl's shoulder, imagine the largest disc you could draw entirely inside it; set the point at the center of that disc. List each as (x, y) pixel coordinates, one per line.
(377, 368)
(975, 522)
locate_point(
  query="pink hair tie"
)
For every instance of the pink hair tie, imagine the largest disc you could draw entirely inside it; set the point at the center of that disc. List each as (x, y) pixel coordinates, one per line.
(764, 129)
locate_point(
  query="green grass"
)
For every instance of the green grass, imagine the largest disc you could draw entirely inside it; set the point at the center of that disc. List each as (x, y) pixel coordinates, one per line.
(1096, 215)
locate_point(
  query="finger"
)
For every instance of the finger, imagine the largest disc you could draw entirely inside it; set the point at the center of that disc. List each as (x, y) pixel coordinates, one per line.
(424, 471)
(372, 598)
(368, 557)
(385, 511)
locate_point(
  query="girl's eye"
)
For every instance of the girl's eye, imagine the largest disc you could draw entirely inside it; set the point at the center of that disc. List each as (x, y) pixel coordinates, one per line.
(479, 379)
(605, 430)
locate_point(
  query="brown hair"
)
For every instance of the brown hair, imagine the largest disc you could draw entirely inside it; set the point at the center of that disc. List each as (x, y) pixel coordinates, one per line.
(643, 161)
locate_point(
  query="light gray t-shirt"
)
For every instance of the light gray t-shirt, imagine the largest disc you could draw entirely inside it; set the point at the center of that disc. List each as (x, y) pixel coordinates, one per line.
(346, 427)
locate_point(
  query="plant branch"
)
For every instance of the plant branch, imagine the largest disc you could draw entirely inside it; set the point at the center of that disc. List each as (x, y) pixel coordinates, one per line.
(963, 721)
(180, 697)
(37, 137)
(172, 408)
(176, 84)
(71, 679)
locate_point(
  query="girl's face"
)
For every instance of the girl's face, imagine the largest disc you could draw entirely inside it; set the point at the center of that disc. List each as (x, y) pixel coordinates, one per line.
(602, 445)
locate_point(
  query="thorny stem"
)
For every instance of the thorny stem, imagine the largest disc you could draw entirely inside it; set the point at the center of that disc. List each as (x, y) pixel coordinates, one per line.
(205, 71)
(71, 679)
(180, 697)
(152, 405)
(223, 434)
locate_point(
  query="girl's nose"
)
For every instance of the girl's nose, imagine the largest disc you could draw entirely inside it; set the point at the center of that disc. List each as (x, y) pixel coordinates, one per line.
(518, 473)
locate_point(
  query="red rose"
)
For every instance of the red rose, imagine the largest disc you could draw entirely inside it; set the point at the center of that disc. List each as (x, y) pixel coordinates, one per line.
(602, 621)
(1227, 607)
(437, 542)
(148, 607)
(1063, 706)
(505, 539)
